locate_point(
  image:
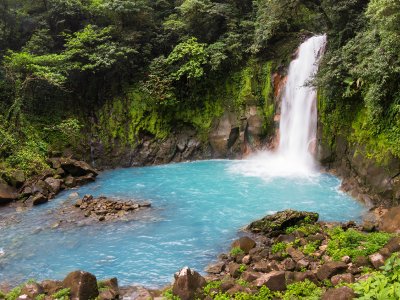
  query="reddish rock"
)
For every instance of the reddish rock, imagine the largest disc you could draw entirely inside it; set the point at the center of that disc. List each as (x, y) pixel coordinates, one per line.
(245, 243)
(7, 193)
(111, 289)
(51, 286)
(342, 278)
(250, 276)
(390, 221)
(234, 269)
(377, 260)
(330, 269)
(246, 260)
(265, 266)
(188, 284)
(342, 293)
(83, 285)
(216, 268)
(292, 277)
(295, 254)
(275, 281)
(288, 264)
(238, 289)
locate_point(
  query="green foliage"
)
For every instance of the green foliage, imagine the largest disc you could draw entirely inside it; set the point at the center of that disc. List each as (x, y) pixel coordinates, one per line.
(66, 133)
(303, 290)
(381, 285)
(263, 294)
(242, 268)
(307, 229)
(279, 247)
(14, 293)
(354, 243)
(311, 247)
(236, 251)
(40, 297)
(169, 295)
(62, 294)
(212, 287)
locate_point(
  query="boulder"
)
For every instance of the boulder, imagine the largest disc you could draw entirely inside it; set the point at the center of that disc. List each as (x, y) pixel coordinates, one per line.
(234, 269)
(16, 178)
(224, 133)
(275, 281)
(188, 284)
(70, 181)
(341, 293)
(244, 243)
(109, 289)
(250, 276)
(265, 266)
(38, 199)
(32, 290)
(76, 167)
(83, 285)
(132, 292)
(330, 269)
(41, 187)
(273, 225)
(377, 260)
(51, 286)
(393, 245)
(294, 253)
(7, 193)
(54, 184)
(390, 221)
(342, 278)
(216, 268)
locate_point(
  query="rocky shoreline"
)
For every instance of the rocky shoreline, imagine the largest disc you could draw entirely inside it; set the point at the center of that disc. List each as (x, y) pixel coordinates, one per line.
(288, 255)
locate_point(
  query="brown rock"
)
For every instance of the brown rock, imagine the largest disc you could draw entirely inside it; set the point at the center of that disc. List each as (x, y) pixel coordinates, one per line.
(302, 263)
(390, 221)
(188, 284)
(377, 260)
(32, 290)
(342, 278)
(393, 245)
(70, 182)
(234, 269)
(246, 260)
(39, 199)
(216, 268)
(237, 289)
(288, 264)
(245, 243)
(51, 286)
(109, 289)
(301, 276)
(250, 276)
(7, 193)
(76, 168)
(361, 261)
(41, 187)
(295, 254)
(83, 285)
(342, 293)
(54, 184)
(265, 266)
(275, 281)
(330, 269)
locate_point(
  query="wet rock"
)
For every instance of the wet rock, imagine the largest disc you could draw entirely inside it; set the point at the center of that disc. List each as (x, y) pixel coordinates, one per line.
(330, 269)
(342, 278)
(38, 199)
(216, 268)
(32, 290)
(244, 243)
(342, 293)
(377, 260)
(83, 285)
(275, 224)
(275, 281)
(224, 133)
(7, 193)
(76, 168)
(54, 184)
(82, 180)
(188, 284)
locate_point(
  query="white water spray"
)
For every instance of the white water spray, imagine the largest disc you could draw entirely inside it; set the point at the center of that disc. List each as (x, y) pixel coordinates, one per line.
(298, 123)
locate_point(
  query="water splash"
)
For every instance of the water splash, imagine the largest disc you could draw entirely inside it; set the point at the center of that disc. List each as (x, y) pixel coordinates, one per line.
(298, 124)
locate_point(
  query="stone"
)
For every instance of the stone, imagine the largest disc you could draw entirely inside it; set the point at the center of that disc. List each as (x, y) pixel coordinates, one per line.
(342, 278)
(302, 264)
(390, 221)
(234, 269)
(32, 290)
(250, 276)
(237, 288)
(341, 293)
(301, 276)
(83, 285)
(275, 281)
(361, 261)
(54, 162)
(246, 259)
(111, 289)
(135, 292)
(54, 184)
(216, 268)
(330, 269)
(245, 243)
(377, 260)
(70, 181)
(51, 286)
(286, 238)
(265, 266)
(16, 178)
(288, 264)
(82, 180)
(346, 259)
(7, 193)
(224, 133)
(393, 245)
(188, 284)
(76, 168)
(41, 187)
(273, 225)
(295, 254)
(39, 199)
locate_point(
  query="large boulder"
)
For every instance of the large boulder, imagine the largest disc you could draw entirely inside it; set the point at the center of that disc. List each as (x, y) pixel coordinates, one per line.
(76, 167)
(390, 221)
(54, 184)
(224, 133)
(273, 225)
(109, 289)
(330, 269)
(7, 193)
(275, 281)
(31, 290)
(341, 293)
(244, 243)
(188, 284)
(83, 285)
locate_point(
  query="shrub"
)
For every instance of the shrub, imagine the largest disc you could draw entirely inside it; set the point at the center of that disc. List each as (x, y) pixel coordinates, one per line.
(62, 294)
(303, 290)
(169, 295)
(236, 251)
(14, 293)
(279, 247)
(354, 243)
(211, 288)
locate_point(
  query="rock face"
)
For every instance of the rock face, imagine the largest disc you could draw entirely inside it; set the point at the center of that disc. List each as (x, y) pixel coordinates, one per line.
(188, 284)
(277, 223)
(76, 168)
(224, 134)
(390, 221)
(83, 285)
(7, 193)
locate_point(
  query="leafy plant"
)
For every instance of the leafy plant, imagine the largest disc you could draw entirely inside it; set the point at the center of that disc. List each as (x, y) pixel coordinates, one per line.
(62, 294)
(14, 293)
(169, 295)
(212, 287)
(303, 290)
(236, 251)
(279, 247)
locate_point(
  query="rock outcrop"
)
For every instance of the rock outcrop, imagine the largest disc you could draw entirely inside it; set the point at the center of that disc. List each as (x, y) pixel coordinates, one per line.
(188, 284)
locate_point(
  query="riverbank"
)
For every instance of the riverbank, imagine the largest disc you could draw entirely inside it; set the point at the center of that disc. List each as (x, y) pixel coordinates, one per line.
(284, 255)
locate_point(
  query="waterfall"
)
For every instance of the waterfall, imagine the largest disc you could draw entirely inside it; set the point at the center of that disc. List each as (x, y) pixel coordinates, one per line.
(298, 121)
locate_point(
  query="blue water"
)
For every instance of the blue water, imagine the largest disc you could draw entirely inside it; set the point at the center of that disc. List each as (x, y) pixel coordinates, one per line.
(198, 209)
